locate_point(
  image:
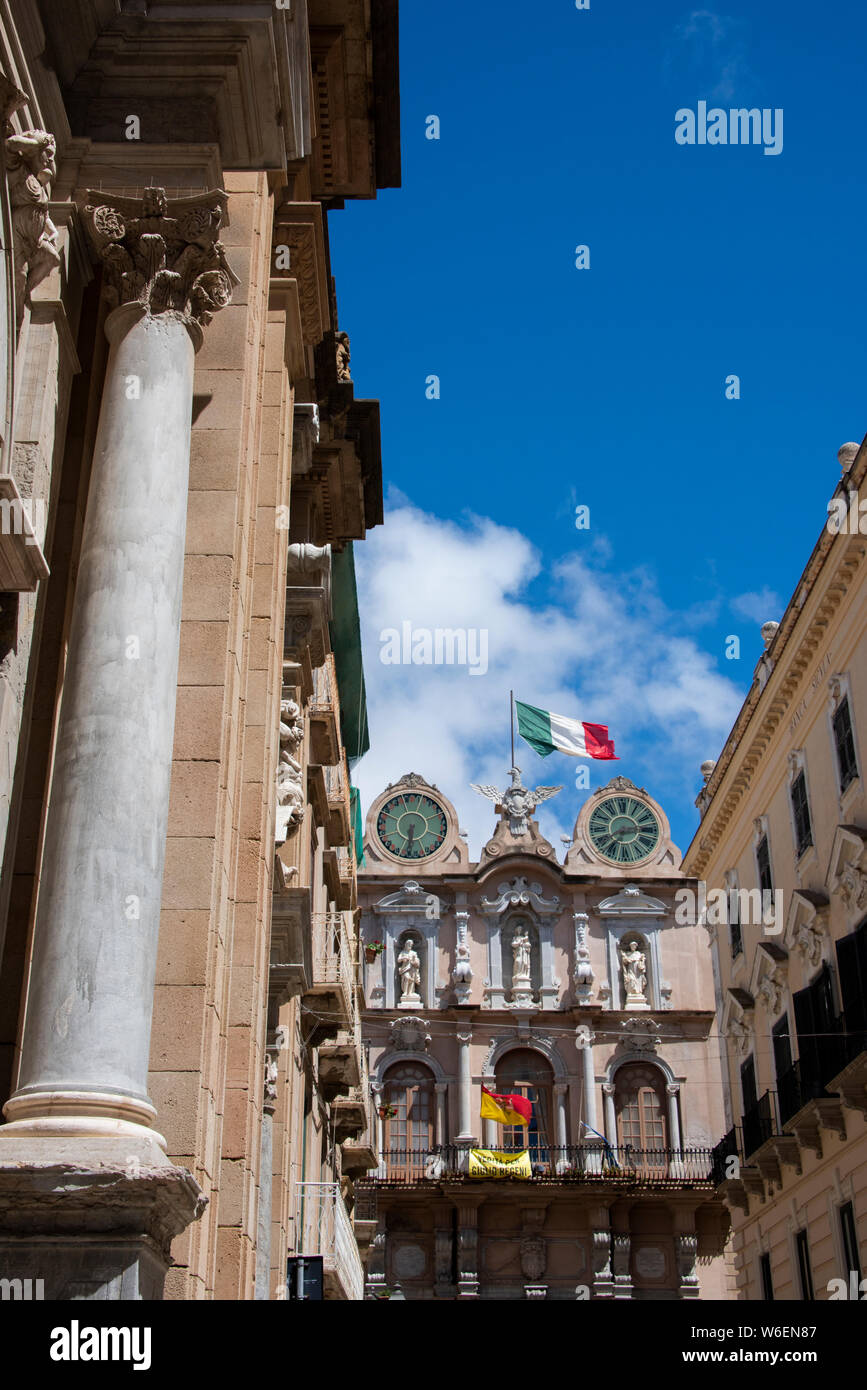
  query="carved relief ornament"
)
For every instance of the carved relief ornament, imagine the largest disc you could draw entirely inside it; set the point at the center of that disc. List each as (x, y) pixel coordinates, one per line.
(163, 254)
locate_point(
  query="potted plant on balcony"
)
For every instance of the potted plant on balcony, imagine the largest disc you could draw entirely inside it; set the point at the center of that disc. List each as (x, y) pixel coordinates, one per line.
(386, 1112)
(372, 949)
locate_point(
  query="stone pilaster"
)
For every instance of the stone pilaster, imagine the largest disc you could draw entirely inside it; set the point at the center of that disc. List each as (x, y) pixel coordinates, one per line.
(81, 1100)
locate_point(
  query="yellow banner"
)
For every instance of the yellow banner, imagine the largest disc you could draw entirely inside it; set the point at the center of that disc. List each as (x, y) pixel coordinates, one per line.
(488, 1163)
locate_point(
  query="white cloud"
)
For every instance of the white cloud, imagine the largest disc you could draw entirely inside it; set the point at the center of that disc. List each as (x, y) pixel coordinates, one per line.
(761, 607)
(567, 635)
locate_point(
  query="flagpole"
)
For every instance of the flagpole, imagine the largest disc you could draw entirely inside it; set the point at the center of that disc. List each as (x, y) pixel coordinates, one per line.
(512, 723)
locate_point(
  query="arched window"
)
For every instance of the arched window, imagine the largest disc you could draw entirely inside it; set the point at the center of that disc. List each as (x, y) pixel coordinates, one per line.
(639, 1103)
(408, 1096)
(526, 1073)
(409, 968)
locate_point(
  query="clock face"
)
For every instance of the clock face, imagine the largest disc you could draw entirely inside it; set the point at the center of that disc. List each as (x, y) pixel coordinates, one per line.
(411, 825)
(623, 830)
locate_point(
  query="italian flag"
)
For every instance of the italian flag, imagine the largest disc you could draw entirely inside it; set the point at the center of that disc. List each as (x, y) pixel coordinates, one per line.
(553, 733)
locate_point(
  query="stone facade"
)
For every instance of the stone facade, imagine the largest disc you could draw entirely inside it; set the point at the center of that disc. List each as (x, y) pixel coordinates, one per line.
(784, 812)
(184, 468)
(574, 984)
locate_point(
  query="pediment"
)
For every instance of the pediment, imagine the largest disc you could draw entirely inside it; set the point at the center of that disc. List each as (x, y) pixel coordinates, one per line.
(410, 898)
(631, 901)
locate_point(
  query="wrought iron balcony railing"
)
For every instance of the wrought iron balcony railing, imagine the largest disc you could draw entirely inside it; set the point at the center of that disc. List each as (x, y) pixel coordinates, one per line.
(759, 1123)
(578, 1162)
(324, 1228)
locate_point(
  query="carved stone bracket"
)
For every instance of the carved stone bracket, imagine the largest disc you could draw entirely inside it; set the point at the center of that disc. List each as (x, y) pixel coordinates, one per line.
(30, 170)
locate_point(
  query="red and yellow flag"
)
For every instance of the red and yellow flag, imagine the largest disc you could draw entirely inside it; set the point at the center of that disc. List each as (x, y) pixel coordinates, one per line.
(506, 1110)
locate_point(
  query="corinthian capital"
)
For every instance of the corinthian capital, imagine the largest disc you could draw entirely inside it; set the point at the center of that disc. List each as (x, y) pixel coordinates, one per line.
(164, 254)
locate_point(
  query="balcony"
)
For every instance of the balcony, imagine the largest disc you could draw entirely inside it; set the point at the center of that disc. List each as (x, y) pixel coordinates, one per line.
(584, 1163)
(329, 1000)
(851, 1081)
(339, 824)
(324, 1228)
(759, 1123)
(339, 1065)
(356, 1127)
(323, 716)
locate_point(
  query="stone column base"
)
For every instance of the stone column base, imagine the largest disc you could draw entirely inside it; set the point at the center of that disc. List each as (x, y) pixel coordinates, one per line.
(91, 1218)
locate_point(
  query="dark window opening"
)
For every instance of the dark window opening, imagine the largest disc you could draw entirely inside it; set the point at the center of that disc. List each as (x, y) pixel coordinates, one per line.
(844, 740)
(801, 814)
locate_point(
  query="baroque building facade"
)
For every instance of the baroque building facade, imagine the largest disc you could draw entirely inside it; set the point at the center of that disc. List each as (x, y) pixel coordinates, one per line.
(185, 467)
(577, 985)
(781, 854)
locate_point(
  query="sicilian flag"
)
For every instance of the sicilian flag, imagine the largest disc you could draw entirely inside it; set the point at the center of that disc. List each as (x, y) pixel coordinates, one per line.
(554, 733)
(506, 1110)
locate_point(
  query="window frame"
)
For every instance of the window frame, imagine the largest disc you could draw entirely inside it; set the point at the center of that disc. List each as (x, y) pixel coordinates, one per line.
(805, 1268)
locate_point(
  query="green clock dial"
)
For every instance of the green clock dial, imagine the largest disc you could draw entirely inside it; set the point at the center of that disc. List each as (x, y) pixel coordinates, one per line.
(623, 830)
(411, 825)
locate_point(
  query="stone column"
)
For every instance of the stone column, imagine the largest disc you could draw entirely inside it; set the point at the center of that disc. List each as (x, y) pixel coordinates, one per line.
(584, 1041)
(465, 1091)
(266, 1183)
(378, 1101)
(673, 1118)
(442, 1091)
(610, 1113)
(468, 1247)
(561, 1094)
(86, 1037)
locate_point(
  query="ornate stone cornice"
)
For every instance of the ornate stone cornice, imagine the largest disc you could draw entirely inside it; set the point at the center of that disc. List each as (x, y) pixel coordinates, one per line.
(163, 254)
(766, 706)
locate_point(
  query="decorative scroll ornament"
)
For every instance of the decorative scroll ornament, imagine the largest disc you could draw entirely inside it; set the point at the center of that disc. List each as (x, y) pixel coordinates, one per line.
(583, 971)
(164, 254)
(290, 782)
(519, 893)
(517, 802)
(30, 169)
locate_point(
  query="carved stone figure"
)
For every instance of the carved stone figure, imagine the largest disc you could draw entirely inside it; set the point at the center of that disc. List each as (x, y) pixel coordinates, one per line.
(634, 964)
(409, 969)
(343, 356)
(521, 955)
(31, 169)
(853, 886)
(162, 254)
(290, 782)
(517, 802)
(462, 973)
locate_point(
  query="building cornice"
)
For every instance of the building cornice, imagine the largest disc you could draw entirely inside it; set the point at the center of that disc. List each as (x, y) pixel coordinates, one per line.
(791, 656)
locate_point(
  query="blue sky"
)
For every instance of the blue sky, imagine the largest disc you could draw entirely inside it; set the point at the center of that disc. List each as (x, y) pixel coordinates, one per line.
(605, 386)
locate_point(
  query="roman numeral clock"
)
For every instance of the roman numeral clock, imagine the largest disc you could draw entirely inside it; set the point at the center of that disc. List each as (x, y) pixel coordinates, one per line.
(411, 827)
(621, 828)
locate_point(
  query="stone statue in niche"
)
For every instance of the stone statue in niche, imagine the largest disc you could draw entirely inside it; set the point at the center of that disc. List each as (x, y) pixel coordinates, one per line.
(409, 969)
(31, 169)
(521, 955)
(634, 964)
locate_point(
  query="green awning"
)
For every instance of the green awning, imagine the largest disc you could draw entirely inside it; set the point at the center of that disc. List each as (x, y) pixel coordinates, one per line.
(345, 630)
(357, 827)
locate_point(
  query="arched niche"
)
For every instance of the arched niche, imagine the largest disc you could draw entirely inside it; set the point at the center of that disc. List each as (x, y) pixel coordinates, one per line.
(411, 943)
(521, 927)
